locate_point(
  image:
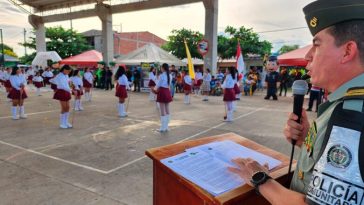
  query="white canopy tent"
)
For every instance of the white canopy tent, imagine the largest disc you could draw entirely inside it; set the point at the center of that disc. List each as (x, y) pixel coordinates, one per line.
(149, 53)
(42, 57)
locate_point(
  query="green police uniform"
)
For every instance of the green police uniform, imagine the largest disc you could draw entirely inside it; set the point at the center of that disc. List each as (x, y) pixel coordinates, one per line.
(312, 146)
(322, 14)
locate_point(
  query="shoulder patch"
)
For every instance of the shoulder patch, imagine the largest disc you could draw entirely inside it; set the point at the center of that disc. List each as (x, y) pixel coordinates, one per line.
(355, 92)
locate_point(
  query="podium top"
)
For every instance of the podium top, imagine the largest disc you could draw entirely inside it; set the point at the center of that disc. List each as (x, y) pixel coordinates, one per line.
(160, 153)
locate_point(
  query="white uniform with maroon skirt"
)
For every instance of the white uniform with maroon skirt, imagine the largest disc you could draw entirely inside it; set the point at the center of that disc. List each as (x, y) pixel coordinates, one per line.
(229, 96)
(164, 96)
(187, 88)
(63, 93)
(18, 93)
(88, 81)
(38, 83)
(121, 92)
(151, 85)
(77, 92)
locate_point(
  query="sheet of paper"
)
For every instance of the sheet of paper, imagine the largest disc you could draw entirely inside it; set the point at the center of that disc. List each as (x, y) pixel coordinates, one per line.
(206, 165)
(205, 171)
(228, 150)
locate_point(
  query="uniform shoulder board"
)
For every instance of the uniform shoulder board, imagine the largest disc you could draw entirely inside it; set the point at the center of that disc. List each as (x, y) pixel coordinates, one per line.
(354, 93)
(354, 99)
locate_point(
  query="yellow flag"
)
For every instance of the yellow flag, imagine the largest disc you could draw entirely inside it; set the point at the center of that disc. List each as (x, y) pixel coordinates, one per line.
(191, 70)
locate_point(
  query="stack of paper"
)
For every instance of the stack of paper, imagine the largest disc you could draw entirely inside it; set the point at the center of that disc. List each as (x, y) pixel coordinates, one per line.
(207, 165)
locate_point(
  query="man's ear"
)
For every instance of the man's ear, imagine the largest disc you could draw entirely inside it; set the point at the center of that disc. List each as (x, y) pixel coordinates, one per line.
(350, 52)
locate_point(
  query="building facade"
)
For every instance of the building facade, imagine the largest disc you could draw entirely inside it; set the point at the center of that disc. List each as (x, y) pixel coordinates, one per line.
(124, 42)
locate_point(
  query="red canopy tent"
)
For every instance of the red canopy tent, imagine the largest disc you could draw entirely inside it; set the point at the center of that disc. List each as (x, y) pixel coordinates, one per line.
(294, 58)
(88, 58)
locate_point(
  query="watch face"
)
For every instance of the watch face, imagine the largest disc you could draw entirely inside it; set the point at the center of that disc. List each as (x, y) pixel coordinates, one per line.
(258, 177)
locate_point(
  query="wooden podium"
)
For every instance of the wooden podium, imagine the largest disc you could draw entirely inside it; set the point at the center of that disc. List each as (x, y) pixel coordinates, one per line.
(170, 188)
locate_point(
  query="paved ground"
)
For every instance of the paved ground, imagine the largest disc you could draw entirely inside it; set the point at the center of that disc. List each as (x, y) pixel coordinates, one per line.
(101, 160)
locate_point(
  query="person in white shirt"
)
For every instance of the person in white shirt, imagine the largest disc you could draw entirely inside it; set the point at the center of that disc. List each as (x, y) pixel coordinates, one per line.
(88, 81)
(198, 81)
(47, 75)
(30, 73)
(17, 93)
(164, 96)
(6, 79)
(229, 93)
(63, 94)
(77, 89)
(152, 83)
(187, 87)
(205, 87)
(38, 82)
(121, 87)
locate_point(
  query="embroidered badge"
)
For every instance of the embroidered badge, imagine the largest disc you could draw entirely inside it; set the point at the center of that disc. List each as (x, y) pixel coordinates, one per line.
(300, 175)
(313, 22)
(339, 156)
(311, 136)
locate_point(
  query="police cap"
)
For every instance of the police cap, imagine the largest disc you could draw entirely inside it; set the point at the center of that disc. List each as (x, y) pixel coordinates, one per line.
(321, 14)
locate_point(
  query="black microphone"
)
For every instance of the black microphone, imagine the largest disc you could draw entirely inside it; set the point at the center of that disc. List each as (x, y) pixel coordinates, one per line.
(299, 89)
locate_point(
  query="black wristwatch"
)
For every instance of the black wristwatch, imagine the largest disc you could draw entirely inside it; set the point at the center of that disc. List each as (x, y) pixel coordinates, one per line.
(258, 179)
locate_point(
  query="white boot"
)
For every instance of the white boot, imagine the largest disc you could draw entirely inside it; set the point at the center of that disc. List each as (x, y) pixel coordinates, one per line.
(188, 99)
(164, 120)
(38, 92)
(122, 110)
(234, 106)
(167, 120)
(22, 112)
(80, 105)
(62, 121)
(157, 106)
(185, 100)
(75, 105)
(151, 96)
(67, 115)
(14, 110)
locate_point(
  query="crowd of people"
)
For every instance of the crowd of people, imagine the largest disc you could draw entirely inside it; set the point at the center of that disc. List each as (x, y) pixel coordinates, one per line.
(66, 82)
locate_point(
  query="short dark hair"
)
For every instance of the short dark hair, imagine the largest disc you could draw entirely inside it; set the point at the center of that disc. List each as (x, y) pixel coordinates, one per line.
(349, 31)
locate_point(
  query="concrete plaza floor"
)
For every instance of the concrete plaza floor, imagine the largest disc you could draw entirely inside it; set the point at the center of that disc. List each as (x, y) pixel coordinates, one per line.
(101, 160)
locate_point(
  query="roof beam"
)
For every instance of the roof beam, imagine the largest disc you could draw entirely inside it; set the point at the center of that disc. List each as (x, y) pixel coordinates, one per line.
(121, 8)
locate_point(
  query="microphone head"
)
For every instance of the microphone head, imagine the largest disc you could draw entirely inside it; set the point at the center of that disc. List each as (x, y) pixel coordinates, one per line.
(299, 87)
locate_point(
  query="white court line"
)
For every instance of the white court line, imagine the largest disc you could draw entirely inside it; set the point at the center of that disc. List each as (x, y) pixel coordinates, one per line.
(37, 113)
(55, 158)
(188, 138)
(128, 163)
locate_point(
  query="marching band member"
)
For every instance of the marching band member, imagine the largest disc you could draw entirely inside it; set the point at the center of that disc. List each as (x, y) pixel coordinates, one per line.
(152, 83)
(229, 93)
(77, 87)
(198, 81)
(38, 82)
(236, 89)
(205, 87)
(30, 73)
(187, 87)
(121, 93)
(164, 96)
(6, 79)
(63, 94)
(88, 81)
(47, 75)
(17, 93)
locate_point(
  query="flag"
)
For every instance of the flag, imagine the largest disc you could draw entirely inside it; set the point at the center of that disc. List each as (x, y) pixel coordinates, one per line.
(240, 60)
(191, 70)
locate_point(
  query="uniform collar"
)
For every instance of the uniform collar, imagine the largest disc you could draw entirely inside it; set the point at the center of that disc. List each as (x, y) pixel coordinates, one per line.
(340, 92)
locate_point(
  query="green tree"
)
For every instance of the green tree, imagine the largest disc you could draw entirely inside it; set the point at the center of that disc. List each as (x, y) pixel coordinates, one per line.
(176, 45)
(65, 42)
(249, 42)
(288, 48)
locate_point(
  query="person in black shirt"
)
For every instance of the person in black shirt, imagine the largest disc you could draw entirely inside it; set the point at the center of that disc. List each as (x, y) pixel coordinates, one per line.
(108, 78)
(102, 78)
(284, 77)
(137, 77)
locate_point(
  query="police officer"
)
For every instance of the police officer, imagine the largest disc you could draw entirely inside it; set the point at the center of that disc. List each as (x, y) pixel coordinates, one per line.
(330, 167)
(272, 78)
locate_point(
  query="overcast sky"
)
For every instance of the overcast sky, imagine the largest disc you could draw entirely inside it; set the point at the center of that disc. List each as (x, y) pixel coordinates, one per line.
(261, 15)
